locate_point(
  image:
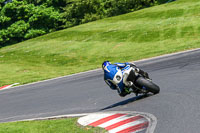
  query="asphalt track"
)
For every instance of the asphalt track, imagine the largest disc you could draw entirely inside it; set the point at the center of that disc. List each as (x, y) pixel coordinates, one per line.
(177, 107)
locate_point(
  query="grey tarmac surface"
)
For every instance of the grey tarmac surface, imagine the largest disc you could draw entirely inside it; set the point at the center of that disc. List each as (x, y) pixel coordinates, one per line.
(177, 107)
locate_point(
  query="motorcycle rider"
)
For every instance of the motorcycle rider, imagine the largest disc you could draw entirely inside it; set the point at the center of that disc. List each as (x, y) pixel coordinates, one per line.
(116, 75)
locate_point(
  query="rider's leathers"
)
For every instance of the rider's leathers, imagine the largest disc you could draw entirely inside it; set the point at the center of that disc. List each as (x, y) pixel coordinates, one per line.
(115, 75)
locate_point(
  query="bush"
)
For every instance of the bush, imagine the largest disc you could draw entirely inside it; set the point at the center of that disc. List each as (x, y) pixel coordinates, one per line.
(18, 29)
(44, 18)
(90, 10)
(164, 1)
(20, 20)
(34, 33)
(90, 17)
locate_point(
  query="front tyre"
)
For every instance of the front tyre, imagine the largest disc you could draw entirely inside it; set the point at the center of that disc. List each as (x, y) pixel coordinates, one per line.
(149, 85)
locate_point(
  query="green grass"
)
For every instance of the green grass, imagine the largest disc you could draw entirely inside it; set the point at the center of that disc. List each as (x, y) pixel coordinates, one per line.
(69, 125)
(146, 33)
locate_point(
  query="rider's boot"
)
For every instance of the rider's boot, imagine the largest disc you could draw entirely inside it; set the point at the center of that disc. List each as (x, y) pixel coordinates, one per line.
(125, 92)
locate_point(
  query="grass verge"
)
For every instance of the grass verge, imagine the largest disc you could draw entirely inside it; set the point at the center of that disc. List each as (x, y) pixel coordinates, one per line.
(68, 125)
(146, 33)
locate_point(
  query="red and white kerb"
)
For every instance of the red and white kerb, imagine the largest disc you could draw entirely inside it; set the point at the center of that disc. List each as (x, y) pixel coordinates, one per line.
(8, 86)
(117, 122)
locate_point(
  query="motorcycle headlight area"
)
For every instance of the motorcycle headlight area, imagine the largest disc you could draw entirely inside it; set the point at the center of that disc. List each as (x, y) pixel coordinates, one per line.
(117, 78)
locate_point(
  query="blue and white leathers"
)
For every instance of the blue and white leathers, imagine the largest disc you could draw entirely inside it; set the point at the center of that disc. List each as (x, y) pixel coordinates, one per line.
(114, 75)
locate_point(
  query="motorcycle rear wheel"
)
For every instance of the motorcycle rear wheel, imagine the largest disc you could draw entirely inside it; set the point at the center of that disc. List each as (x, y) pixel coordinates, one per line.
(149, 85)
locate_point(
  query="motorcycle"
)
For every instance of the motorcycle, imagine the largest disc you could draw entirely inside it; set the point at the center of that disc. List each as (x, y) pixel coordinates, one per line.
(142, 84)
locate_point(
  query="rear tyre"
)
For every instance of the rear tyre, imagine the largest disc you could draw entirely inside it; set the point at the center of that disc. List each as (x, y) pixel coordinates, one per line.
(149, 85)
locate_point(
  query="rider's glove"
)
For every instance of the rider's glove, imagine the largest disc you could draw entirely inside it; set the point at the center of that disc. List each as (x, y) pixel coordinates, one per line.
(132, 64)
(137, 70)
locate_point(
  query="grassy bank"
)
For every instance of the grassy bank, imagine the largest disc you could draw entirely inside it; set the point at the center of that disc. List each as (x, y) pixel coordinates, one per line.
(69, 125)
(146, 33)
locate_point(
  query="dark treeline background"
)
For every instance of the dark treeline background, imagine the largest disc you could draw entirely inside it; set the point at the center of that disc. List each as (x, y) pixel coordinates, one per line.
(25, 19)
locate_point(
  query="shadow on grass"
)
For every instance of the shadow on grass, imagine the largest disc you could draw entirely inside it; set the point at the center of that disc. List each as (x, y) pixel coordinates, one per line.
(127, 101)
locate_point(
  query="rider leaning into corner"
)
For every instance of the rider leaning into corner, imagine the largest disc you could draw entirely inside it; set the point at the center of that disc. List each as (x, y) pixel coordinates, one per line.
(115, 75)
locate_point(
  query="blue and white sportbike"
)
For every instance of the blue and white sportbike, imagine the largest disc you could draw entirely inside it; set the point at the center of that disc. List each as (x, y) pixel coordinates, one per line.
(127, 78)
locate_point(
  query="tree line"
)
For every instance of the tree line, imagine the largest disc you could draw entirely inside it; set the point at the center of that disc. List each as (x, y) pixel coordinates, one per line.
(24, 19)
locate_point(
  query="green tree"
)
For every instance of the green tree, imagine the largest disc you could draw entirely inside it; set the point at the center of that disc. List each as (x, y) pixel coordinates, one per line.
(20, 20)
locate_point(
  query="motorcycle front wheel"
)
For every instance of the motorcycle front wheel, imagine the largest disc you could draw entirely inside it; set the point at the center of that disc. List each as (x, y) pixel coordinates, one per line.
(148, 85)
